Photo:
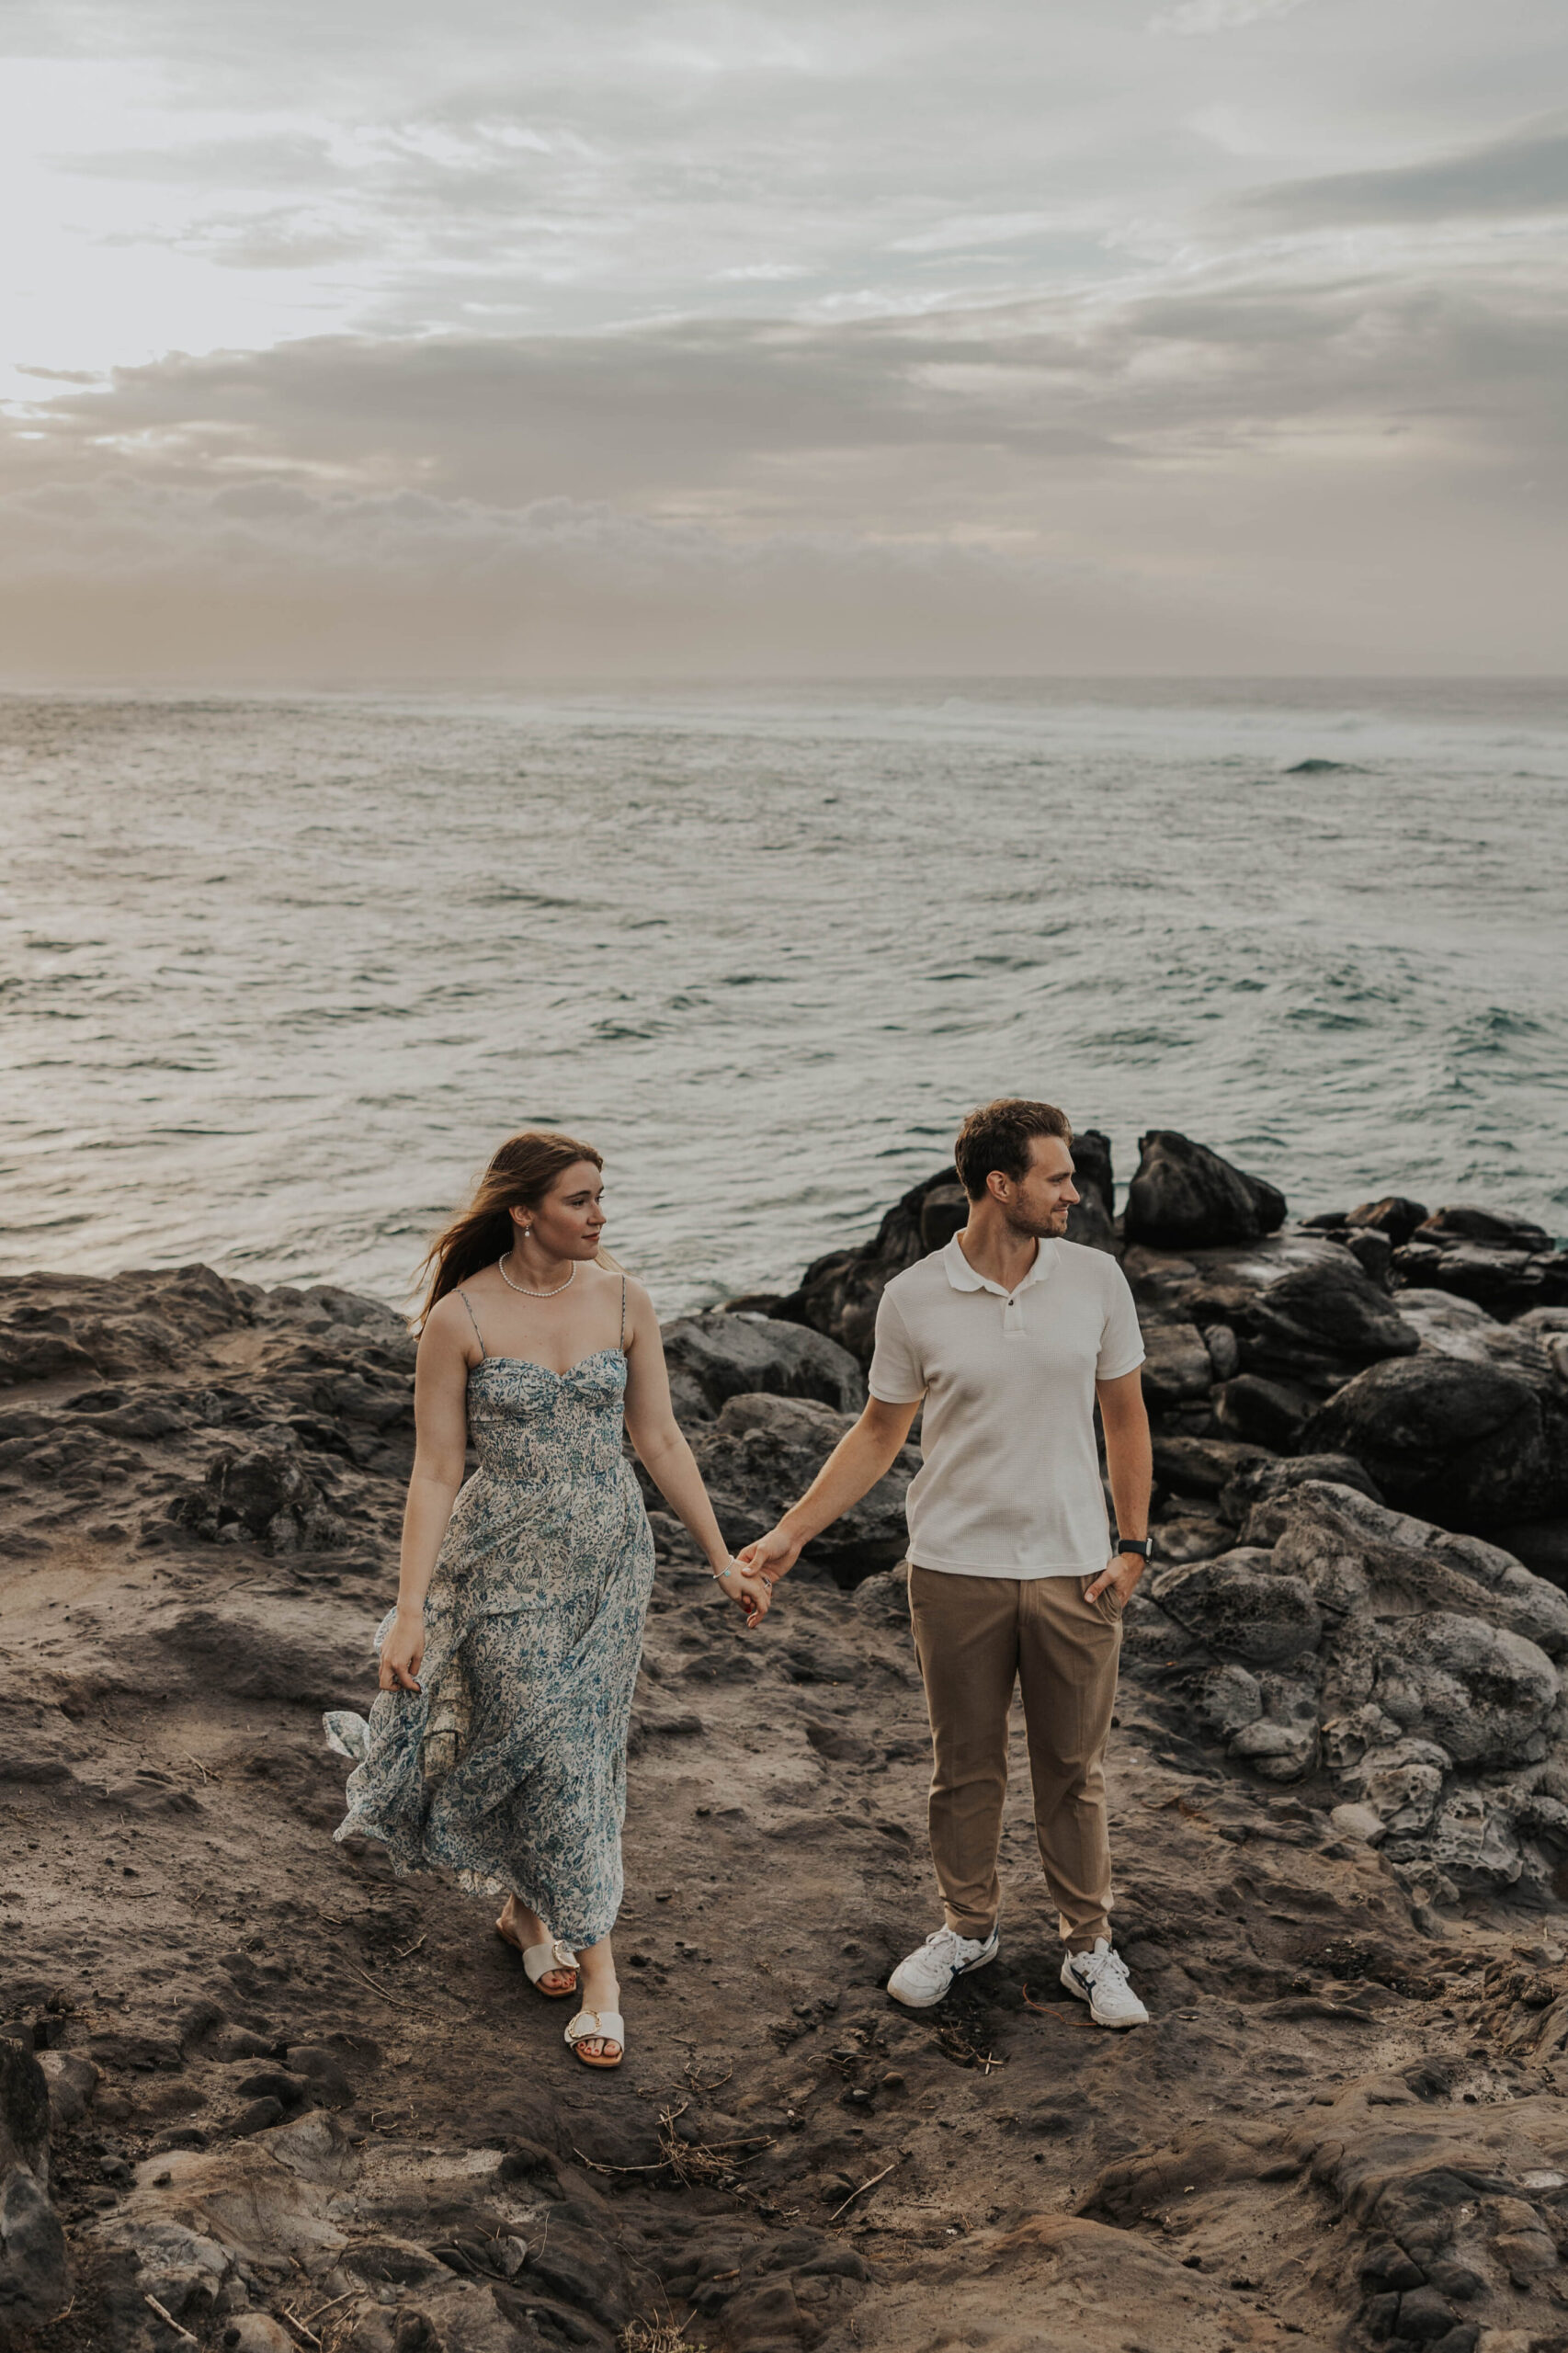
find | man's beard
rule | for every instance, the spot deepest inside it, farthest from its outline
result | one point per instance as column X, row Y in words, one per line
column 1028, row 1229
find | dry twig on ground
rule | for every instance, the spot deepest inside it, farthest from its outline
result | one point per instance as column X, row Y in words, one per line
column 654, row 2337
column 865, row 2186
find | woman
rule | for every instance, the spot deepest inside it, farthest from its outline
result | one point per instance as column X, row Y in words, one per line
column 497, row 1748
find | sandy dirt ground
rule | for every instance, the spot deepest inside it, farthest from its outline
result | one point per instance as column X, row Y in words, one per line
column 298, row 2101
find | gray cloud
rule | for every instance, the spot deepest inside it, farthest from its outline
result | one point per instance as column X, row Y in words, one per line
column 588, row 166
column 1523, row 173
column 1217, row 16
column 844, row 337
column 1245, row 476
column 813, row 412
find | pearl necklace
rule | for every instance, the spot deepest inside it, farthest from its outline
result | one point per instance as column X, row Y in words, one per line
column 501, row 1270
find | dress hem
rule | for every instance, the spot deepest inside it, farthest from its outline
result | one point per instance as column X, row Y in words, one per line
column 473, row 1882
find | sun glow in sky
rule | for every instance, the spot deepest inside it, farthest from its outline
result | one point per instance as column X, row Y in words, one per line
column 1223, row 335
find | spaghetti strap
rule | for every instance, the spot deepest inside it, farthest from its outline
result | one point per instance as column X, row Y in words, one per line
column 474, row 1321
column 622, row 1315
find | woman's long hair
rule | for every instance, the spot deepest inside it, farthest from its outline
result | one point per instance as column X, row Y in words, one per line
column 518, row 1176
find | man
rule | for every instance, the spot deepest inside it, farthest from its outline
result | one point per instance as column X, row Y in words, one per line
column 1008, row 1335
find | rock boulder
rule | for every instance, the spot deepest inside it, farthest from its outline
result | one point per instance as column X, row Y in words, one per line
column 838, row 1293
column 1202, row 1466
column 1464, row 1221
column 1315, row 1325
column 1506, row 1282
column 720, row 1355
column 1267, row 1413
column 1355, row 1554
column 1267, row 1482
column 1466, row 1443
column 1483, row 1695
column 1092, row 1222
column 1394, row 1215
column 35, row 2279
column 761, row 1455
column 142, row 1321
column 1401, row 1783
column 1177, row 1368
column 1185, row 1197
column 264, row 1493
column 1238, row 1606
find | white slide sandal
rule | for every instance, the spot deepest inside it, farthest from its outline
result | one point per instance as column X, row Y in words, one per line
column 541, row 1960
column 605, row 2026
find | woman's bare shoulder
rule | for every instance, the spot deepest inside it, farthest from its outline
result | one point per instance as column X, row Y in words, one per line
column 449, row 1323
column 640, row 1313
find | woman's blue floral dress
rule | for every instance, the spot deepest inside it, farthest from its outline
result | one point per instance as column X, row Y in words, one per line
column 508, row 1767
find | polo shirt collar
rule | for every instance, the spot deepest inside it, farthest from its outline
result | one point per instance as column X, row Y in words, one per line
column 962, row 1276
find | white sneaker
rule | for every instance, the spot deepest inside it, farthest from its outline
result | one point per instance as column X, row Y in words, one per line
column 925, row 1977
column 1100, row 1978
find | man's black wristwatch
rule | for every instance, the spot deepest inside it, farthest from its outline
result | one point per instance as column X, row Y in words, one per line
column 1142, row 1545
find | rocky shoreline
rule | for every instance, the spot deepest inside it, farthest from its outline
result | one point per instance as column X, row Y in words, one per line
column 254, row 2093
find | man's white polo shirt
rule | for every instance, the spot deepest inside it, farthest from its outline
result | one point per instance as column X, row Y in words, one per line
column 1011, row 1486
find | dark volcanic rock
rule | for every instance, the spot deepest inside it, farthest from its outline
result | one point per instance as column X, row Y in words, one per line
column 1239, row 1606
column 1541, row 1544
column 1177, row 1368
column 1506, row 1265
column 760, row 1457
column 1464, row 1223
column 1506, row 1282
column 721, row 1354
column 1358, row 1555
column 1092, row 1222
column 1185, row 1197
column 1394, row 1215
column 1264, row 1412
column 1466, row 1443
column 1202, row 1466
column 1373, row 1253
column 1342, row 1751
column 1317, row 1324
column 141, row 1321
column 1269, row 1481
column 266, row 1493
column 839, row 1292
column 1483, row 1695
column 34, row 2269
column 943, row 1212
column 32, row 1348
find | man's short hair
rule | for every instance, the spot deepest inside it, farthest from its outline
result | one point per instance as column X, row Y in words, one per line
column 1000, row 1134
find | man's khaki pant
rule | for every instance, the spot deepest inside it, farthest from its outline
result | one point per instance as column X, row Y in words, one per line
column 975, row 1637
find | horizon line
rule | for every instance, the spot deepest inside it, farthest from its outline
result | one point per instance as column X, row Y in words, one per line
column 926, row 680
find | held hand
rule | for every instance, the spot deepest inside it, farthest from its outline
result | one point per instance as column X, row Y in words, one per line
column 402, row 1651
column 771, row 1555
column 749, row 1593
column 1123, row 1573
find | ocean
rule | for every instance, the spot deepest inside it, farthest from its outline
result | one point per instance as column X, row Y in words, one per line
column 278, row 972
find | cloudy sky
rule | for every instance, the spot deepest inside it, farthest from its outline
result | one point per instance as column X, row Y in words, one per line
column 357, row 339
